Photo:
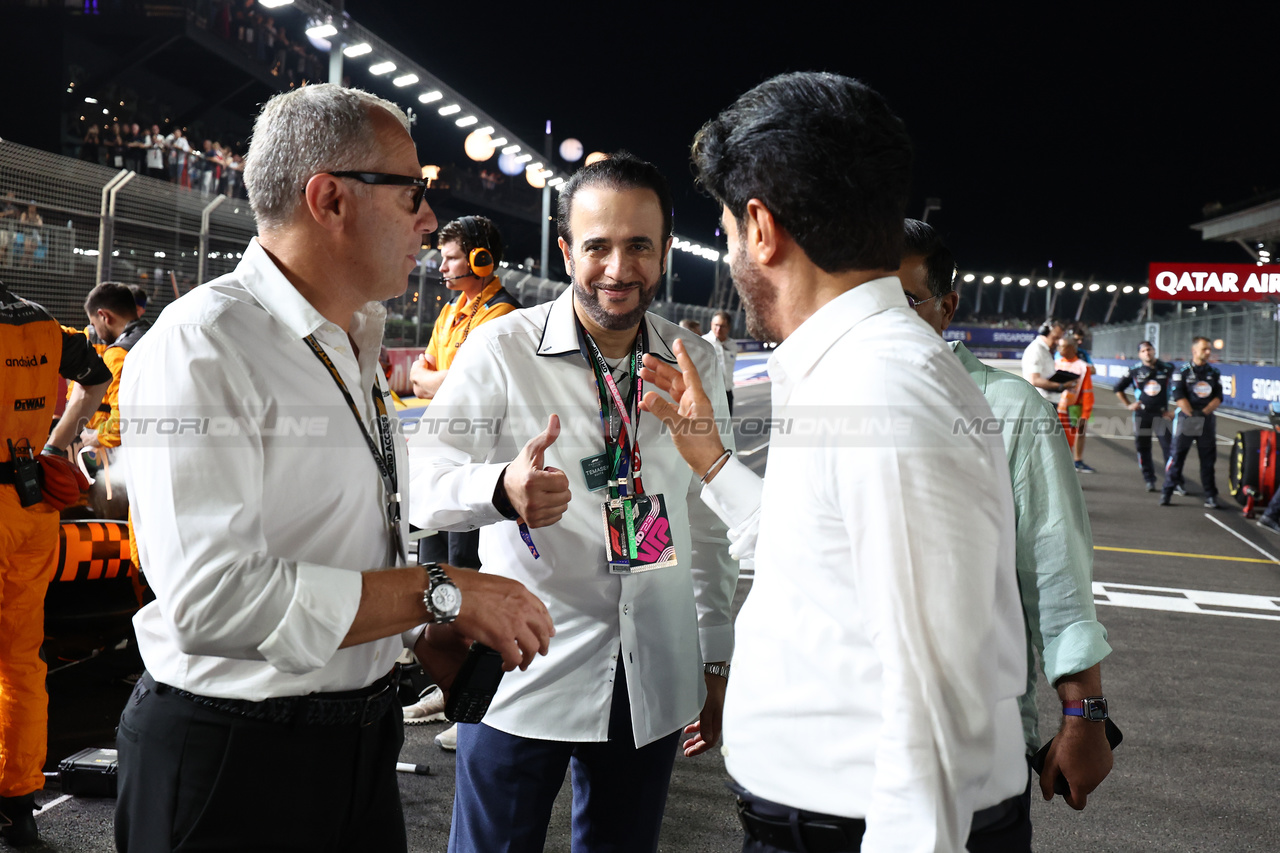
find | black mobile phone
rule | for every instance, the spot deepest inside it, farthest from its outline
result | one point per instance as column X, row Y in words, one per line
column 1060, row 786
column 476, row 683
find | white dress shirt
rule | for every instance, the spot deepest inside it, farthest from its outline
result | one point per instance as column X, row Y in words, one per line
column 1038, row 358
column 881, row 650
column 255, row 498
column 727, row 352
column 514, row 373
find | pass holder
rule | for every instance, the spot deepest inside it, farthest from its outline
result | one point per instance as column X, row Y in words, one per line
column 637, row 534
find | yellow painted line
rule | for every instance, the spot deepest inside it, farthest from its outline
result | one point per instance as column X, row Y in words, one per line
column 1179, row 554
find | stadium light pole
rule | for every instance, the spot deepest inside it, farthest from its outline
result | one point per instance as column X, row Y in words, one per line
column 546, row 211
column 336, row 44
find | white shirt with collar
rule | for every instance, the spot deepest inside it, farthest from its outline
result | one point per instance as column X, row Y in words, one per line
column 882, row 649
column 513, row 374
column 727, row 351
column 1038, row 358
column 255, row 498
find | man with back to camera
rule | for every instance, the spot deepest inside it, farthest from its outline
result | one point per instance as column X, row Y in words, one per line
column 1150, row 381
column 871, row 700
column 1037, row 360
column 113, row 314
column 1054, row 556
column 1196, row 390
column 281, row 604
column 643, row 644
column 34, row 484
column 726, row 349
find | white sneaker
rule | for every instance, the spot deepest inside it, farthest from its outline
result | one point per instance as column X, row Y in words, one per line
column 428, row 709
column 448, row 739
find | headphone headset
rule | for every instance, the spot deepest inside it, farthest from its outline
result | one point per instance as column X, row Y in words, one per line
column 480, row 258
column 1047, row 327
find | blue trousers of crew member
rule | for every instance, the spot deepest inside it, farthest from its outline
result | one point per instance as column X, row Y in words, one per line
column 506, row 786
column 1145, row 425
column 1200, row 430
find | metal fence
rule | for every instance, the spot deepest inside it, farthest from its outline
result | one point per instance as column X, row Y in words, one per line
column 1241, row 334
column 98, row 224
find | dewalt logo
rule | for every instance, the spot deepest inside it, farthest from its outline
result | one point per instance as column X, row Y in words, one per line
column 31, row 404
column 26, row 361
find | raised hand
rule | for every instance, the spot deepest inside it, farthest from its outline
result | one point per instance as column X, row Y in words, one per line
column 692, row 419
column 538, row 494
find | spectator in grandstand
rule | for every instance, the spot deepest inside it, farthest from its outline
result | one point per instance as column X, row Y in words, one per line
column 881, row 758
column 726, row 349
column 1150, row 382
column 642, row 652
column 30, row 498
column 9, row 216
column 1054, row 554
column 114, row 143
column 90, row 145
column 272, row 639
column 1037, row 360
column 1075, row 405
column 31, row 227
column 131, row 138
column 153, row 144
column 178, row 147
column 1196, row 390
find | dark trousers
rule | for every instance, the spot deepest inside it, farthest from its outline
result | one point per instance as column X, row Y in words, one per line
column 506, row 786
column 770, row 827
column 1198, row 430
column 730, row 393
column 1145, row 425
column 193, row 778
column 1004, row 828
column 455, row 549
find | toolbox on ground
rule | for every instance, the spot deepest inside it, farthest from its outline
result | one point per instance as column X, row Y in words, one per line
column 89, row 773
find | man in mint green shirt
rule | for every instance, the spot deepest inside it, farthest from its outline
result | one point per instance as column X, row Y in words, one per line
column 1054, row 541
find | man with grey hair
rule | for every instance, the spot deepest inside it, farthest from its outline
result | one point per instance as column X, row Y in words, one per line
column 282, row 596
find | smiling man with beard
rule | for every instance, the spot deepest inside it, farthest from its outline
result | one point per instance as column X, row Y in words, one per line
column 561, row 471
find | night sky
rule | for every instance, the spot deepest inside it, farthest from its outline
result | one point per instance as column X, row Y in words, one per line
column 1090, row 139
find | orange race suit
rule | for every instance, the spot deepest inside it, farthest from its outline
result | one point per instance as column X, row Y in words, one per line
column 34, row 350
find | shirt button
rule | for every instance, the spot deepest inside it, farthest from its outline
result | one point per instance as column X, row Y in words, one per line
column 626, row 609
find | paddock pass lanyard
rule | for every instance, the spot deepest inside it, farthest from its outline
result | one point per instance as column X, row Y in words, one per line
column 384, row 459
column 625, row 481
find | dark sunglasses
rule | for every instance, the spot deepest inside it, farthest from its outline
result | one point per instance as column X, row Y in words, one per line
column 377, row 178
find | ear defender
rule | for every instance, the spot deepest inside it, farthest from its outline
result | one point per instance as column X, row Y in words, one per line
column 480, row 259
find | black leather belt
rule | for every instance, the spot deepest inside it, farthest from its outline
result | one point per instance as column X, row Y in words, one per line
column 795, row 830
column 355, row 707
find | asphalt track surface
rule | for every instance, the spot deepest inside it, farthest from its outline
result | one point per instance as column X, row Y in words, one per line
column 1191, row 601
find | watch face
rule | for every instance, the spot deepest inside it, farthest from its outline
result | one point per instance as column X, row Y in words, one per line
column 446, row 598
column 1095, row 709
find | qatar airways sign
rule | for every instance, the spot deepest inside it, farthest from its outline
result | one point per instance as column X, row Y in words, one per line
column 1213, row 282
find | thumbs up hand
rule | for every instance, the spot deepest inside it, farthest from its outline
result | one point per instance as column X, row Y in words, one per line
column 538, row 494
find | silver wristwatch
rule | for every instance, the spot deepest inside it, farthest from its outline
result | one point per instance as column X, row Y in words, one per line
column 442, row 598
column 720, row 669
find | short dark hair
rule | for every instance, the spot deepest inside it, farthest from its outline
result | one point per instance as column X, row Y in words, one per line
column 1198, row 338
column 139, row 295
column 1142, row 344
column 940, row 267
column 725, row 315
column 484, row 229
column 619, row 171
column 825, row 155
column 114, row 297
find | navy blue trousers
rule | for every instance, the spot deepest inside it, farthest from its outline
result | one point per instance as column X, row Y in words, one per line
column 1202, row 432
column 1146, row 424
column 506, row 786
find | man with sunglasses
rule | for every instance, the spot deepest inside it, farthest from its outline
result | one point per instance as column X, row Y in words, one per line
column 282, row 600
column 1053, row 554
